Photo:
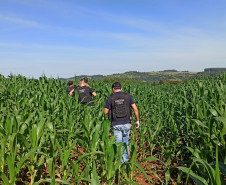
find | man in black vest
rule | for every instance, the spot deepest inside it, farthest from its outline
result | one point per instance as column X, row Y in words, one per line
column 118, row 107
column 71, row 89
column 85, row 94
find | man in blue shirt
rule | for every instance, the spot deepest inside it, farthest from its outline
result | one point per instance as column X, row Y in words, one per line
column 118, row 106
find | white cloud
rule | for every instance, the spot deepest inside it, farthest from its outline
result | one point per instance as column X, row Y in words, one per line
column 184, row 48
column 21, row 21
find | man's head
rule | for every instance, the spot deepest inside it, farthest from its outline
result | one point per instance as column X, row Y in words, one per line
column 116, row 87
column 70, row 83
column 85, row 80
column 81, row 83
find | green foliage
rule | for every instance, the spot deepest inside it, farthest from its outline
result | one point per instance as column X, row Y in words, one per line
column 47, row 135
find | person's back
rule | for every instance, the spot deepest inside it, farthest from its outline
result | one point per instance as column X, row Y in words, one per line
column 85, row 94
column 120, row 108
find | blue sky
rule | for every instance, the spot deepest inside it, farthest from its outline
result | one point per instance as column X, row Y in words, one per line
column 74, row 37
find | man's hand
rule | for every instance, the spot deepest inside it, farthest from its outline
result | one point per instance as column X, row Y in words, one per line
column 71, row 92
column 137, row 124
column 136, row 112
column 106, row 111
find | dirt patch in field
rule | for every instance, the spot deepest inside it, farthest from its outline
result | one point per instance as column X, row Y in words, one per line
column 155, row 172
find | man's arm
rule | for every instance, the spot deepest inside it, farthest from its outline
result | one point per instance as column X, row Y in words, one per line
column 136, row 112
column 92, row 92
column 71, row 92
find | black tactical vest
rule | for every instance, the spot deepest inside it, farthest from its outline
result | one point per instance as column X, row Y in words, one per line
column 121, row 108
column 84, row 95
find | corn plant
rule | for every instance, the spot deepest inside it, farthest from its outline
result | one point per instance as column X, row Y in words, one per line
column 46, row 135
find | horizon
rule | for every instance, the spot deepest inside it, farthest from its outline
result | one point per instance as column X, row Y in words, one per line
column 91, row 75
column 61, row 38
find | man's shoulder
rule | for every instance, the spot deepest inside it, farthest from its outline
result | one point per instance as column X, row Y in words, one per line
column 110, row 96
column 127, row 96
column 85, row 87
column 88, row 89
column 68, row 89
column 82, row 87
column 121, row 93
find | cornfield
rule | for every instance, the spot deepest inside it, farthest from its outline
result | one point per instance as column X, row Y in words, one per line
column 47, row 137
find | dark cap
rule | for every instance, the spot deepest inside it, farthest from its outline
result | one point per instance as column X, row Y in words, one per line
column 70, row 83
column 85, row 80
column 116, row 85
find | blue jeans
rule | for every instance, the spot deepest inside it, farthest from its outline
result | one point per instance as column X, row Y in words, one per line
column 122, row 135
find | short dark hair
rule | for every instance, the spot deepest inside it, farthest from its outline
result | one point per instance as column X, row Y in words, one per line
column 85, row 80
column 70, row 83
column 116, row 85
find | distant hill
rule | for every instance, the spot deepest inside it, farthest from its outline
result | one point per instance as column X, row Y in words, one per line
column 172, row 76
column 151, row 77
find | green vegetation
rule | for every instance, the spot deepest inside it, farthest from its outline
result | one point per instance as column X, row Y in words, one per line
column 152, row 77
column 47, row 137
column 215, row 70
